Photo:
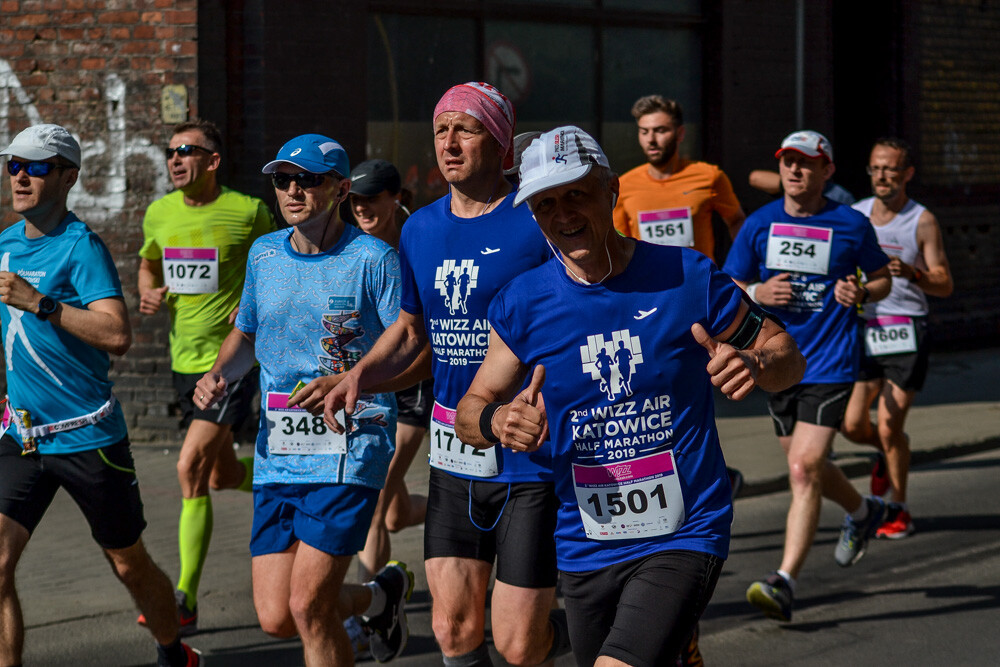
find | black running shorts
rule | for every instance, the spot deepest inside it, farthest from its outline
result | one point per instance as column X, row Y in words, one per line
column 460, row 523
column 414, row 405
column 907, row 371
column 234, row 409
column 642, row 611
column 820, row 404
column 102, row 482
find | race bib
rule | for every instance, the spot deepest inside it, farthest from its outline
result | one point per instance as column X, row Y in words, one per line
column 633, row 499
column 191, row 270
column 669, row 226
column 295, row 431
column 801, row 248
column 890, row 335
column 451, row 454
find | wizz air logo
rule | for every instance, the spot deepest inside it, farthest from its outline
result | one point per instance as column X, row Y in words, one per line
column 455, row 281
column 613, row 362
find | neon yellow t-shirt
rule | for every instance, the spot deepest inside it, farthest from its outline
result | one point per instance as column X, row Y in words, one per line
column 199, row 322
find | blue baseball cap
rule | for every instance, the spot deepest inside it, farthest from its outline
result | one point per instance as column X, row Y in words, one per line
column 313, row 153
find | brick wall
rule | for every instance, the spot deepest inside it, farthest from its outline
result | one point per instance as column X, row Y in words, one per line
column 98, row 67
column 959, row 157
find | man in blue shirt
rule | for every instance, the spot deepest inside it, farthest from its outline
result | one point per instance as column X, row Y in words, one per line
column 799, row 256
column 63, row 313
column 316, row 297
column 644, row 498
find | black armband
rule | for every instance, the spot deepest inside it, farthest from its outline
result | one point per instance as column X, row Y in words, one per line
column 486, row 421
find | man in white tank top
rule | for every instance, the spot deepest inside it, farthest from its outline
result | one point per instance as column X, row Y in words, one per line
column 895, row 351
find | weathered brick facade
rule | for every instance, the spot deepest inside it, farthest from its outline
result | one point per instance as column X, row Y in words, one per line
column 98, row 67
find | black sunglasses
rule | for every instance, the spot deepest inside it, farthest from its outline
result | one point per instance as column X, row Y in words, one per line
column 185, row 150
column 304, row 179
column 36, row 169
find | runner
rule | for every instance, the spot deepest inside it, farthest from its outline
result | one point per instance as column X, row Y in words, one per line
column 63, row 313
column 314, row 491
column 194, row 256
column 670, row 200
column 644, row 518
column 806, row 250
column 483, row 505
column 895, row 349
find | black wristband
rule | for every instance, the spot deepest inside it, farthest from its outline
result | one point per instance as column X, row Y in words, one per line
column 486, row 421
column 864, row 297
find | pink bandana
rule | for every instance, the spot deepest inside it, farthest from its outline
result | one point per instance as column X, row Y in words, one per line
column 487, row 105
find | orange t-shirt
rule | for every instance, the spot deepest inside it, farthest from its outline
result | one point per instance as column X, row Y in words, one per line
column 676, row 210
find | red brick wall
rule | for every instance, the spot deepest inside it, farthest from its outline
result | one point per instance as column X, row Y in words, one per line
column 959, row 157
column 98, row 67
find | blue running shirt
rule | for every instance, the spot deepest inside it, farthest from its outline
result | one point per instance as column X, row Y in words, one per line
column 821, row 249
column 452, row 267
column 316, row 315
column 51, row 373
column 636, row 458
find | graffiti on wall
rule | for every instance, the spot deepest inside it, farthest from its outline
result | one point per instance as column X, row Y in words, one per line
column 116, row 147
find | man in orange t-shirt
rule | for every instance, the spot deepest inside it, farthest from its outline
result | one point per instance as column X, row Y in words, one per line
column 669, row 201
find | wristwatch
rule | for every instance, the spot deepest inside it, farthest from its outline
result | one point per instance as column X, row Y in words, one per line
column 46, row 307
column 917, row 275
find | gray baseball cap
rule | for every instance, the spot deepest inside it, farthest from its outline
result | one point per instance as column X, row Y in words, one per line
column 40, row 142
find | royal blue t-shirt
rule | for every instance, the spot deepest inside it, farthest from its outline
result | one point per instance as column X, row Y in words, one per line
column 820, row 249
column 629, row 402
column 316, row 315
column 452, row 267
column 51, row 373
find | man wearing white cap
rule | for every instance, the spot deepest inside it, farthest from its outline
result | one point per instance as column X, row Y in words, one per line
column 644, row 501
column 63, row 314
column 482, row 505
column 800, row 256
column 315, row 300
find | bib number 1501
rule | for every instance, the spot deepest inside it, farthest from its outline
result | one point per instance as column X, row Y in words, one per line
column 635, row 501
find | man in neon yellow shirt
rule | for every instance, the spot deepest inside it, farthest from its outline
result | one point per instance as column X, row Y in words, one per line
column 194, row 257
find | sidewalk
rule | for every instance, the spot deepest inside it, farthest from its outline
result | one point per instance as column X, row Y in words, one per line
column 73, row 604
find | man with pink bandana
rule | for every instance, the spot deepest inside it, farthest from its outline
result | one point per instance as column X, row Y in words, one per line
column 482, row 505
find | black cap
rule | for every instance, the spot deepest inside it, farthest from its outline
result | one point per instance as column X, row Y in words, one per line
column 373, row 176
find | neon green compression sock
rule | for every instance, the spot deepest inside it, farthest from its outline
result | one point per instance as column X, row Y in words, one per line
column 247, row 483
column 194, row 533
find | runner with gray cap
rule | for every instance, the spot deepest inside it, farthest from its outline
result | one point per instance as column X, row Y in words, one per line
column 644, row 505
column 62, row 314
column 379, row 205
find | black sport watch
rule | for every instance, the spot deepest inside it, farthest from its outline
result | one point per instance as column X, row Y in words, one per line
column 46, row 307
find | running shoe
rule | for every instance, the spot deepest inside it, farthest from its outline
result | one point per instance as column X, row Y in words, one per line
column 188, row 617
column 735, row 481
column 854, row 535
column 194, row 657
column 880, row 476
column 773, row 596
column 896, row 528
column 389, row 631
column 358, row 636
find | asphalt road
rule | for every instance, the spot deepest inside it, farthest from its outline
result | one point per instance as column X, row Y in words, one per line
column 932, row 599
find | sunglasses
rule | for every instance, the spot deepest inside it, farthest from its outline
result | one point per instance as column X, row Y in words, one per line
column 185, row 150
column 37, row 169
column 303, row 179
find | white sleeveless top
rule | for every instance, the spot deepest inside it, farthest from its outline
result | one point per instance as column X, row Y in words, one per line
column 898, row 238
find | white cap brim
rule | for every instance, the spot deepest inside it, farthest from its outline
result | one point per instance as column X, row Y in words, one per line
column 554, row 180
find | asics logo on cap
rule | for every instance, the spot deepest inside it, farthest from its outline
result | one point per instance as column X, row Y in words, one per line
column 296, row 152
